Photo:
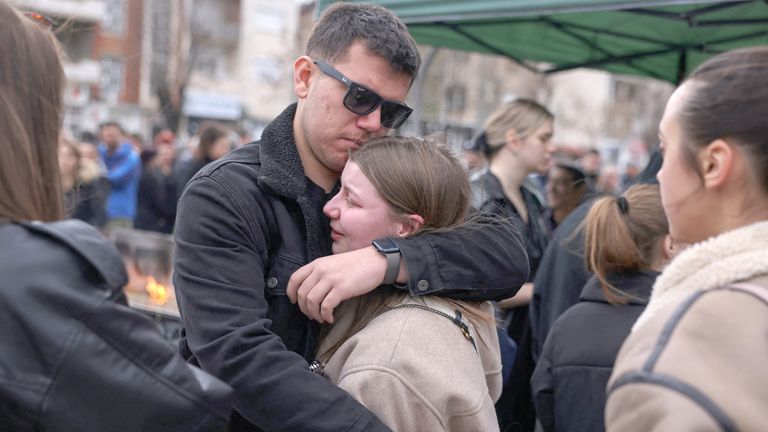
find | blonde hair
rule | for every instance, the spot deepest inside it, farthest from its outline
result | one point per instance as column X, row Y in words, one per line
column 621, row 234
column 523, row 115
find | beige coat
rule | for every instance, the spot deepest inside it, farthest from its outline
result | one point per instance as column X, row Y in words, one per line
column 696, row 359
column 415, row 369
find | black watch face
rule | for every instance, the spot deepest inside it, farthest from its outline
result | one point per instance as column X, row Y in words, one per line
column 386, row 245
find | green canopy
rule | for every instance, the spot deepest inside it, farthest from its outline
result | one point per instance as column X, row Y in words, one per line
column 659, row 39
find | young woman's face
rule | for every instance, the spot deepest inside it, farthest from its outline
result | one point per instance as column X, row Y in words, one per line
column 536, row 151
column 681, row 187
column 358, row 213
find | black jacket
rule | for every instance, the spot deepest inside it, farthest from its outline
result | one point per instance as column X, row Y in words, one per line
column 562, row 277
column 156, row 205
column 74, row 356
column 249, row 220
column 88, row 202
column 569, row 383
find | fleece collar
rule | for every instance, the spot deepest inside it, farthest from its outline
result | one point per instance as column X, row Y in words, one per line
column 736, row 255
column 283, row 173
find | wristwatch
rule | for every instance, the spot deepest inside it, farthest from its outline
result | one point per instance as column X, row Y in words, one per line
column 391, row 251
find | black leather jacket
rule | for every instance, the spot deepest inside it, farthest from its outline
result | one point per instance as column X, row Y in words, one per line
column 245, row 223
column 74, row 356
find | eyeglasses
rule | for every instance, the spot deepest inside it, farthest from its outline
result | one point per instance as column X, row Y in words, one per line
column 362, row 101
column 40, row 19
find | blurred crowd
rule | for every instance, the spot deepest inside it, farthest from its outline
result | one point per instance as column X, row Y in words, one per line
column 114, row 179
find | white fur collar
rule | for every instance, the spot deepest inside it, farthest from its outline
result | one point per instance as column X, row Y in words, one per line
column 733, row 256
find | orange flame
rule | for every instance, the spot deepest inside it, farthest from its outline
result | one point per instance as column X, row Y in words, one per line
column 158, row 293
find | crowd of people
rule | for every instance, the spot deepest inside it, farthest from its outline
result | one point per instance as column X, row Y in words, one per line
column 331, row 276
column 113, row 179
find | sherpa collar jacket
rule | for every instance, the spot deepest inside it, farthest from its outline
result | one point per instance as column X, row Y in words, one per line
column 696, row 357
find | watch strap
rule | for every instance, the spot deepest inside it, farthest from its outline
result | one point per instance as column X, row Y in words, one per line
column 393, row 267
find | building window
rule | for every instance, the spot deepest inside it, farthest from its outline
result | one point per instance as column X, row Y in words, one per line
column 455, row 99
column 111, row 80
column 114, row 17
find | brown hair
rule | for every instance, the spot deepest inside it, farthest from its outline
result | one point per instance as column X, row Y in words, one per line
column 621, row 234
column 210, row 132
column 31, row 85
column 383, row 34
column 522, row 115
column 729, row 99
column 415, row 176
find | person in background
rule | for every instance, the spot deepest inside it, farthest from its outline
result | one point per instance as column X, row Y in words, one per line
column 85, row 188
column 591, row 163
column 74, row 357
column 253, row 269
column 566, row 188
column 474, row 159
column 137, row 141
column 214, row 142
column 517, row 141
column 562, row 273
column 419, row 363
column 627, row 245
column 123, row 171
column 157, row 189
column 608, row 181
column 695, row 359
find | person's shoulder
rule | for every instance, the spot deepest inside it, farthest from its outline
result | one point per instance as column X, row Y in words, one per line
column 57, row 245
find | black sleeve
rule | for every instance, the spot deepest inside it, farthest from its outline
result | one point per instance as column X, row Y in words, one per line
column 484, row 259
column 120, row 374
column 219, row 280
column 93, row 363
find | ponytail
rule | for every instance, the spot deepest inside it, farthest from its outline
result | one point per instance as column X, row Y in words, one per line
column 621, row 235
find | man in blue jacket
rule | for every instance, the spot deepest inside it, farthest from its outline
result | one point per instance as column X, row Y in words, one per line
column 248, row 221
column 123, row 171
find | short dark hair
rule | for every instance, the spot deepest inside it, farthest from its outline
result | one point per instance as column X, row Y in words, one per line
column 723, row 89
column 111, row 124
column 577, row 174
column 382, row 33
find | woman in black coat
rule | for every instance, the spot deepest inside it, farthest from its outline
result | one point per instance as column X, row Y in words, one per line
column 75, row 356
column 627, row 243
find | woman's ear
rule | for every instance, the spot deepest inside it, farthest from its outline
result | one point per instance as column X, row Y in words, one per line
column 302, row 73
column 512, row 139
column 716, row 161
column 409, row 225
column 668, row 248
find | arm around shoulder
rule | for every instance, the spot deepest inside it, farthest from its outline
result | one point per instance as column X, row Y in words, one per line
column 485, row 259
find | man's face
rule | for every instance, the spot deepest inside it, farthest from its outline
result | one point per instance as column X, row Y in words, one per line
column 111, row 135
column 562, row 192
column 329, row 130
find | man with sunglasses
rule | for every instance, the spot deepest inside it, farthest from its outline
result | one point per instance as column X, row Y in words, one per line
column 247, row 222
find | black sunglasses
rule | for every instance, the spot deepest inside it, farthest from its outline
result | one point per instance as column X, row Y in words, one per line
column 362, row 101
